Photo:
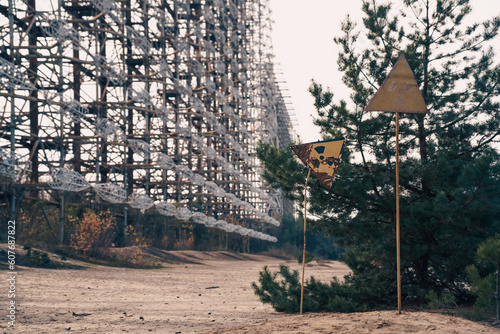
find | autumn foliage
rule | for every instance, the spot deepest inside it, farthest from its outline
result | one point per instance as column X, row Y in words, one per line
column 93, row 231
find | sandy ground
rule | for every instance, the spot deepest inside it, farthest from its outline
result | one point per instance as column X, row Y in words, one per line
column 193, row 292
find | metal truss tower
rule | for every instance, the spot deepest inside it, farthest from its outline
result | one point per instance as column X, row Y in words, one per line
column 142, row 103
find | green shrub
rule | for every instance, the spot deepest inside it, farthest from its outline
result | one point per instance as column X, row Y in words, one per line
column 482, row 288
column 444, row 300
column 482, row 279
column 36, row 258
column 309, row 257
column 282, row 290
column 283, row 295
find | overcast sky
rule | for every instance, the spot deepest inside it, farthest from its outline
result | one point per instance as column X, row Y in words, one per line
column 304, row 49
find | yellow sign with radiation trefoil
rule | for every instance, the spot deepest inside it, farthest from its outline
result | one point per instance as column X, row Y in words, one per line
column 322, row 158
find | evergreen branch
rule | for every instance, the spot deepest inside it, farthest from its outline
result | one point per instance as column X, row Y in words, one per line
column 473, row 110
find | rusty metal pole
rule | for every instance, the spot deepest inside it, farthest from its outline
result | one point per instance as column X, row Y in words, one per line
column 304, row 252
column 398, row 250
column 398, row 93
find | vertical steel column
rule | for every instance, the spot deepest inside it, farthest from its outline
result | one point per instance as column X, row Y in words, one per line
column 147, row 114
column 77, row 165
column 130, row 111
column 12, row 113
column 125, row 51
column 163, row 42
column 177, row 151
column 33, row 75
column 60, row 90
column 101, row 98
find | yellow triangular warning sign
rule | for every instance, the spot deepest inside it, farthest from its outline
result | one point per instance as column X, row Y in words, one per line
column 322, row 158
column 399, row 92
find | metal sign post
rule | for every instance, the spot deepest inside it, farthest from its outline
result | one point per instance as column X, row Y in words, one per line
column 304, row 251
column 398, row 93
column 322, row 159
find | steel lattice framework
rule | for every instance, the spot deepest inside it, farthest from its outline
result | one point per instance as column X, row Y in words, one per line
column 142, row 102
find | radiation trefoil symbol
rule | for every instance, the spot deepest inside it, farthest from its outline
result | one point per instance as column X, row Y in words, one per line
column 322, row 158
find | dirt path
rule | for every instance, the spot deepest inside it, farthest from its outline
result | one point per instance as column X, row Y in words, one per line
column 371, row 322
column 194, row 292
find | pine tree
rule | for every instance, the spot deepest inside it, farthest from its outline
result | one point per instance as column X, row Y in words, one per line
column 489, row 251
column 449, row 169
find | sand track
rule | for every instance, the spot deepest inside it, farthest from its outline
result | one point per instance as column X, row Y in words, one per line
column 193, row 292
